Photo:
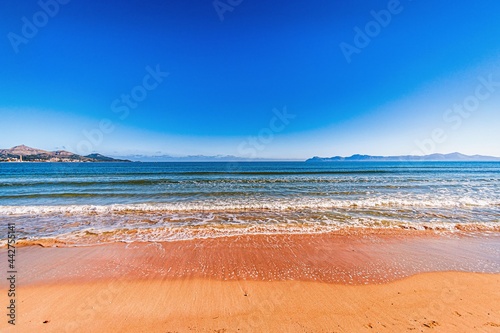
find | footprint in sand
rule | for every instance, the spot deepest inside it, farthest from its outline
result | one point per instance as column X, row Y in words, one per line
column 431, row 324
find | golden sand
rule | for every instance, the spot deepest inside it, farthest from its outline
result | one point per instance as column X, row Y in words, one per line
column 370, row 282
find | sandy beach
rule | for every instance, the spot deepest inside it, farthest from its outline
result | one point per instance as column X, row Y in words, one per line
column 230, row 166
column 378, row 281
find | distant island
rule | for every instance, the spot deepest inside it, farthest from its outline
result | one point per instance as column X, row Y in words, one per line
column 24, row 153
column 433, row 157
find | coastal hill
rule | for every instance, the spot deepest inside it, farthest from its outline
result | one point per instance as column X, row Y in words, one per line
column 433, row 157
column 24, row 153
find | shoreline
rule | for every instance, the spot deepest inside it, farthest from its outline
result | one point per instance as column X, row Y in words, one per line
column 92, row 238
column 344, row 257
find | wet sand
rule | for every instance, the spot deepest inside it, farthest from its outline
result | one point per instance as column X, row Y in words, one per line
column 366, row 281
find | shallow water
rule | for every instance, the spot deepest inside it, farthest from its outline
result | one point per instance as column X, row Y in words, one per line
column 107, row 202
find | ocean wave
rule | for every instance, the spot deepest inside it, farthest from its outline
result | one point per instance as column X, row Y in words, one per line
column 85, row 182
column 94, row 236
column 241, row 205
column 103, row 194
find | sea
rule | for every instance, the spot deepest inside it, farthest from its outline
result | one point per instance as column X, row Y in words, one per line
column 93, row 203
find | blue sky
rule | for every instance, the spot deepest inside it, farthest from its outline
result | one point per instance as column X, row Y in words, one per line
column 234, row 68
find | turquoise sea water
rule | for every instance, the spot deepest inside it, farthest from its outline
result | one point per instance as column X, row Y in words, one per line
column 97, row 202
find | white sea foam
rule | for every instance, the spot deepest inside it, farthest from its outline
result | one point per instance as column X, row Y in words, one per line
column 92, row 236
column 236, row 205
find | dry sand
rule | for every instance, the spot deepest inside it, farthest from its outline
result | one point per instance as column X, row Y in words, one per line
column 367, row 282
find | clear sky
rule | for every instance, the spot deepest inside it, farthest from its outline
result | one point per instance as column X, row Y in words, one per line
column 271, row 79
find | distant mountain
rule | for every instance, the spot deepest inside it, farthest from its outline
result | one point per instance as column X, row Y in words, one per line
column 433, row 157
column 24, row 153
column 101, row 158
